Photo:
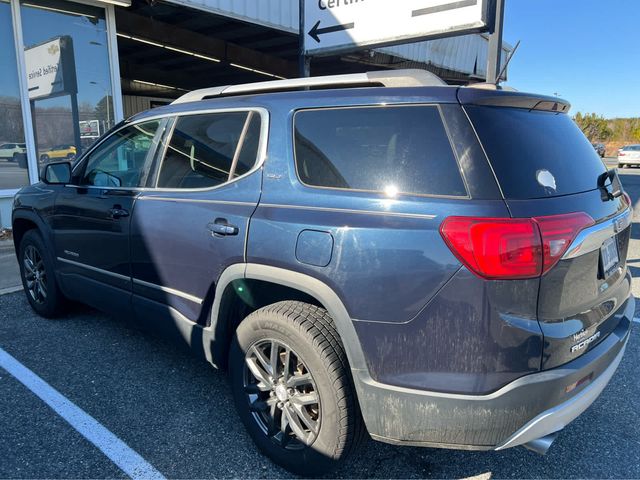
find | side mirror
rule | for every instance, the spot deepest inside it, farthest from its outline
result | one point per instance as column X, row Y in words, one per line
column 57, row 173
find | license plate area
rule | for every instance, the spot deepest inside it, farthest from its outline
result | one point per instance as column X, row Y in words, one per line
column 609, row 257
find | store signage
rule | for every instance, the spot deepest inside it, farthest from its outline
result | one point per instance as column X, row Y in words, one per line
column 51, row 68
column 89, row 128
column 334, row 26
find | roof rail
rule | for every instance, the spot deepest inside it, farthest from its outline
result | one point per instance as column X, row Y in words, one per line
column 386, row 78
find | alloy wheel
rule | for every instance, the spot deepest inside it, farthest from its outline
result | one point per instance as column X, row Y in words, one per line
column 35, row 274
column 282, row 395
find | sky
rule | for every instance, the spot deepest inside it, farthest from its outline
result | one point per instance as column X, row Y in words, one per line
column 586, row 51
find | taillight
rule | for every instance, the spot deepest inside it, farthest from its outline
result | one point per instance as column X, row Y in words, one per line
column 512, row 248
column 627, row 198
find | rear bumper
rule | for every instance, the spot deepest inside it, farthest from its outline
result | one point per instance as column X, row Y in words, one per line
column 526, row 409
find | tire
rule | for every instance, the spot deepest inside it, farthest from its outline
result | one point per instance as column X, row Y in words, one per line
column 14, row 159
column 39, row 284
column 44, row 158
column 316, row 351
column 621, row 165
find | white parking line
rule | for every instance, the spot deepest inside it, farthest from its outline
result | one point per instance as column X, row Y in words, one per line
column 636, row 319
column 115, row 449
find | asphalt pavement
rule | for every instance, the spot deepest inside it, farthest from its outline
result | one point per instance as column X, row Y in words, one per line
column 176, row 411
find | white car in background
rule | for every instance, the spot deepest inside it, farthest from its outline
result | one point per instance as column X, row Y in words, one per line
column 629, row 155
column 10, row 151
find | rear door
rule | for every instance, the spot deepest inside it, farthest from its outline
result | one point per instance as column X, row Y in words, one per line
column 192, row 220
column 547, row 168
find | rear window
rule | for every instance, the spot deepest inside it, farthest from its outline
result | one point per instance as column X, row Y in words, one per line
column 401, row 149
column 522, row 144
column 631, row 148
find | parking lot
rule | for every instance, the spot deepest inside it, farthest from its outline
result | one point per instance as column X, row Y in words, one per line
column 176, row 411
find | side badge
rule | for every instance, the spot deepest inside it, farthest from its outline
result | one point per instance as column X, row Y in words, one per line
column 546, row 179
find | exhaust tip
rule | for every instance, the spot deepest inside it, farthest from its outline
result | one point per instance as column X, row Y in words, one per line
column 541, row 445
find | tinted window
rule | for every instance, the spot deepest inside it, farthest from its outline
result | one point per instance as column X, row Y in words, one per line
column 203, row 147
column 520, row 143
column 386, row 149
column 119, row 161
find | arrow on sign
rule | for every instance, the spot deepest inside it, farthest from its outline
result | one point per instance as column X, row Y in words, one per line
column 315, row 31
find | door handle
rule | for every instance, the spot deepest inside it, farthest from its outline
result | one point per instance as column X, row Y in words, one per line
column 222, row 228
column 116, row 213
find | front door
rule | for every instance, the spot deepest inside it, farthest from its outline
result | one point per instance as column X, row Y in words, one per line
column 92, row 218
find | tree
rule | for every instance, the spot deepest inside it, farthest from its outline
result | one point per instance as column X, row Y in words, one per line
column 594, row 126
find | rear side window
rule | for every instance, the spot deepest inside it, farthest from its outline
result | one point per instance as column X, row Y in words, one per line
column 207, row 150
column 400, row 149
column 522, row 144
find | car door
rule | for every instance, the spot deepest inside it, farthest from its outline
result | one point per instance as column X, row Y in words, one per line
column 193, row 220
column 92, row 217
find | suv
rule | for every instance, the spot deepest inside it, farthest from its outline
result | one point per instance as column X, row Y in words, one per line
column 12, row 151
column 57, row 152
column 435, row 265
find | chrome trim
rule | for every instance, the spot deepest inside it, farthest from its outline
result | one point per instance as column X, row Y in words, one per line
column 347, row 210
column 94, row 269
column 592, row 238
column 556, row 418
column 261, row 157
column 171, row 291
column 198, row 200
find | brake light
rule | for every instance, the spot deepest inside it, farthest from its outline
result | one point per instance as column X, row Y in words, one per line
column 512, row 248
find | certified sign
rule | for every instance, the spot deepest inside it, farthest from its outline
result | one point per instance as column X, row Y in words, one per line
column 50, row 68
column 333, row 26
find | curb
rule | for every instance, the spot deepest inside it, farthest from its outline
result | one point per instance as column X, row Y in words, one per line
column 8, row 290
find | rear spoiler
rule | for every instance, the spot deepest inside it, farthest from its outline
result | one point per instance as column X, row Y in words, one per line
column 506, row 98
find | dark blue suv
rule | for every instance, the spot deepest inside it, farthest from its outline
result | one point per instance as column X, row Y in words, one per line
column 434, row 265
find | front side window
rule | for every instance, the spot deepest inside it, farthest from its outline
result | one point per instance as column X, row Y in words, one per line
column 397, row 149
column 120, row 160
column 207, row 150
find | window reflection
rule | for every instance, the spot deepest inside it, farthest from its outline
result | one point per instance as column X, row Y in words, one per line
column 67, row 65
column 13, row 159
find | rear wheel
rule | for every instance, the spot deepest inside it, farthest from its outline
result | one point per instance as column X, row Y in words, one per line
column 15, row 158
column 292, row 387
column 38, row 277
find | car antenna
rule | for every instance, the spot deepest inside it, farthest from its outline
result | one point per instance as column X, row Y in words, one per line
column 507, row 63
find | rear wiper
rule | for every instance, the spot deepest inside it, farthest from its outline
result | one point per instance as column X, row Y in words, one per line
column 616, row 186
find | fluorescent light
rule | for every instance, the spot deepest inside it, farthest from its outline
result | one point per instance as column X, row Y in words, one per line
column 198, row 55
column 149, row 42
column 261, row 72
column 205, row 57
column 160, row 85
column 167, row 47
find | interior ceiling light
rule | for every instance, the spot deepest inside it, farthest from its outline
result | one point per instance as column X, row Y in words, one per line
column 197, row 55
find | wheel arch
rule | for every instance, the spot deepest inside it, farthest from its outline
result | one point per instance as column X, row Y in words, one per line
column 283, row 284
column 24, row 220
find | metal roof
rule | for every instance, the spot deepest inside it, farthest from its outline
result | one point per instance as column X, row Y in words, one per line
column 466, row 54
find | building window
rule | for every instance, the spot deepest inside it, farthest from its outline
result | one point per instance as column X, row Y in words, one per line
column 68, row 76
column 13, row 158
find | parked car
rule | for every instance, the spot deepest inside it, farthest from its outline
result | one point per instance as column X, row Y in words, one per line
column 629, row 155
column 600, row 148
column 357, row 259
column 58, row 152
column 12, row 151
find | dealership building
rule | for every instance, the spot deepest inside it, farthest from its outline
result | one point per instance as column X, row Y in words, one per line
column 72, row 69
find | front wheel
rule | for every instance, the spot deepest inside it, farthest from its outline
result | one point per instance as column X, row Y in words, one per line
column 292, row 387
column 38, row 277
